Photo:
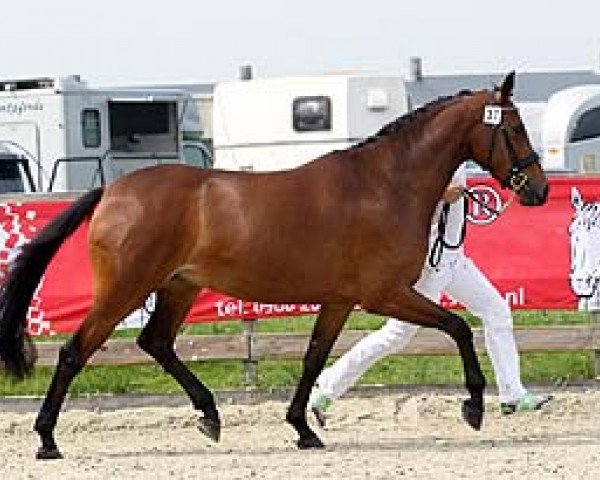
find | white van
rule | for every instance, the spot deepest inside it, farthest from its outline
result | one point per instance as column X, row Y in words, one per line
column 77, row 137
column 278, row 123
column 571, row 130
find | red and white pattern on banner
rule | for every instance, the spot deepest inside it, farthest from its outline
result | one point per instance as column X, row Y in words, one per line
column 16, row 229
column 525, row 253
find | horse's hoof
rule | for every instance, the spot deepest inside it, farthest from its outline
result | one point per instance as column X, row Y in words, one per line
column 48, row 454
column 309, row 442
column 472, row 414
column 210, row 428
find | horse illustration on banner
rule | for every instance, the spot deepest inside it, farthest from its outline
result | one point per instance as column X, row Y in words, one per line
column 584, row 235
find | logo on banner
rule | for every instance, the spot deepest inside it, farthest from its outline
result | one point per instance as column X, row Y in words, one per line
column 584, row 236
column 487, row 197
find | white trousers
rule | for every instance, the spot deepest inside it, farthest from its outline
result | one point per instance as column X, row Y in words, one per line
column 464, row 282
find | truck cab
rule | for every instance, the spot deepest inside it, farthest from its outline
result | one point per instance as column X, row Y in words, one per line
column 77, row 137
column 15, row 174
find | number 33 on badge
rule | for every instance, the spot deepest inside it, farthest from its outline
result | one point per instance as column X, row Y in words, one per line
column 492, row 115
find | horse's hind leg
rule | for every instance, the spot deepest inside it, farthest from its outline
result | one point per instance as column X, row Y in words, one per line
column 115, row 296
column 327, row 328
column 157, row 338
column 92, row 333
column 406, row 304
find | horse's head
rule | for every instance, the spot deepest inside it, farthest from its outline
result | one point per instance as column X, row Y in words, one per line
column 500, row 144
column 584, row 234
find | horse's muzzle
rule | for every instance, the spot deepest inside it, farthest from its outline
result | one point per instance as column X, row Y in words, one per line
column 530, row 196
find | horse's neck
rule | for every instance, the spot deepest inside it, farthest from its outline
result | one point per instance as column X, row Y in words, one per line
column 450, row 140
column 445, row 136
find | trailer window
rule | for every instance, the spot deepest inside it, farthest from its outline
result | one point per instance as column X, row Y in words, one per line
column 130, row 118
column 587, row 126
column 311, row 114
column 144, row 127
column 90, row 128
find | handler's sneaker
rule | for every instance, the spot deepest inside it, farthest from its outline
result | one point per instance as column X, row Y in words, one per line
column 527, row 403
column 319, row 403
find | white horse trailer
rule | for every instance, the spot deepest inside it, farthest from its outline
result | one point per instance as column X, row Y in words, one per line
column 76, row 137
column 571, row 130
column 279, row 123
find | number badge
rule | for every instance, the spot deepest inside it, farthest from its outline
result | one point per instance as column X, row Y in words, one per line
column 492, row 115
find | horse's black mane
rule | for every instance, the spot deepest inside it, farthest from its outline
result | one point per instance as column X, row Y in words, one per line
column 408, row 118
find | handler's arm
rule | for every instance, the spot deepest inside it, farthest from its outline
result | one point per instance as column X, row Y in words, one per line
column 452, row 193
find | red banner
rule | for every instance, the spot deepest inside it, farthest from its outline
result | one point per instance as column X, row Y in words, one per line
column 525, row 251
column 539, row 258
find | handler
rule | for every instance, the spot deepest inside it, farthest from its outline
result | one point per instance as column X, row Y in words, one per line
column 456, row 274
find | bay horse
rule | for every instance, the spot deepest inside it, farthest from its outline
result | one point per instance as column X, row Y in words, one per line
column 350, row 227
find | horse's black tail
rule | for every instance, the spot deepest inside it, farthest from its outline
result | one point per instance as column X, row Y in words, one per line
column 17, row 352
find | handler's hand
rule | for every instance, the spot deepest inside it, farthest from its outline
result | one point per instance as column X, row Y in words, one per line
column 452, row 193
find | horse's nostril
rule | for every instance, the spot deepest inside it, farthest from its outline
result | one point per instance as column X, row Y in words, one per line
column 539, row 196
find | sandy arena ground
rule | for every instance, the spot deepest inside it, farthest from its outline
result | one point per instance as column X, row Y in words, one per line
column 400, row 435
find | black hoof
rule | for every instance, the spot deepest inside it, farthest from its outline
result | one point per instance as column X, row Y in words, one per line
column 472, row 414
column 210, row 428
column 48, row 454
column 310, row 442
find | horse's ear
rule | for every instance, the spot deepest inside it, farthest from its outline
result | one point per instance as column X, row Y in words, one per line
column 505, row 91
column 576, row 199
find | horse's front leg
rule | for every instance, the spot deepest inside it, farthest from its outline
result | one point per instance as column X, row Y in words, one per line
column 327, row 328
column 406, row 304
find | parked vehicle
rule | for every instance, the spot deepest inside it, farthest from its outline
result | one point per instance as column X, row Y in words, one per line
column 279, row 123
column 77, row 137
column 571, row 130
column 15, row 174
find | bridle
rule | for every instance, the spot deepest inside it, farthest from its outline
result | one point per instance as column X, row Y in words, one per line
column 516, row 179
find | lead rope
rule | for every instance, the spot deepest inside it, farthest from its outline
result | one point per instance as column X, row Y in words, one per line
column 440, row 243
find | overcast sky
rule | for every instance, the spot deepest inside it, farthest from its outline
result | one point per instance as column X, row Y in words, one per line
column 132, row 41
